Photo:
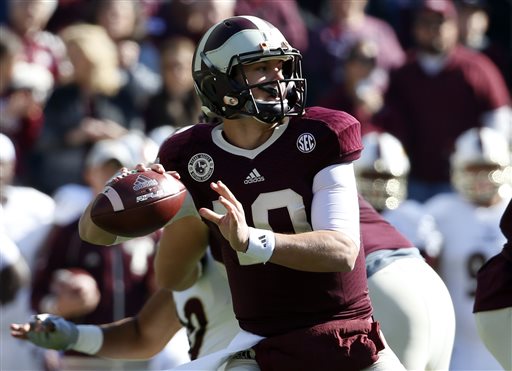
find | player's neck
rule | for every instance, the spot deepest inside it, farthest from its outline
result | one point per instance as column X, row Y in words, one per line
column 247, row 133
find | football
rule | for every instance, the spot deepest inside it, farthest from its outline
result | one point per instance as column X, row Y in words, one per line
column 138, row 203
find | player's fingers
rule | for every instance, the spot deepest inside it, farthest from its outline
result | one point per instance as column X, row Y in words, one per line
column 20, row 330
column 224, row 191
column 159, row 168
column 231, row 209
column 210, row 215
column 174, row 174
column 141, row 167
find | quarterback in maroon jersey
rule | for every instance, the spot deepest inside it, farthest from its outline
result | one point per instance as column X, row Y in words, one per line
column 275, row 190
column 493, row 300
column 275, row 185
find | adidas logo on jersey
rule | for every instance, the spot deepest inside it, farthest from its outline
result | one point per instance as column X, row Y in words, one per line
column 254, row 177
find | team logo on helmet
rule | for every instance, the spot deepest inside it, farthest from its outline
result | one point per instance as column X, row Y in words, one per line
column 200, row 167
column 306, row 143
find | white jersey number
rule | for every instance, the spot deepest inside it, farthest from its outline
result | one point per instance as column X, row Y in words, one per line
column 284, row 199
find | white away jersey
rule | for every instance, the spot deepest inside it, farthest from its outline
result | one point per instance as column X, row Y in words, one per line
column 471, row 236
column 206, row 310
column 411, row 219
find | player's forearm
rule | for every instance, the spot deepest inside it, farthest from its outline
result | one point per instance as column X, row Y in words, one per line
column 126, row 339
column 145, row 335
column 318, row 251
column 182, row 245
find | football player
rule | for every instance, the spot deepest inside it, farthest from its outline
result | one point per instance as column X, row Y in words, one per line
column 469, row 223
column 290, row 243
column 493, row 299
column 409, row 298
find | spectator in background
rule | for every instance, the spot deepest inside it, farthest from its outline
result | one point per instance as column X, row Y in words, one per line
column 285, row 15
column 176, row 104
column 23, row 89
column 442, row 90
column 94, row 106
column 125, row 24
column 192, row 18
column 469, row 222
column 91, row 284
column 473, row 26
column 28, row 20
column 362, row 87
column 329, row 43
column 25, row 218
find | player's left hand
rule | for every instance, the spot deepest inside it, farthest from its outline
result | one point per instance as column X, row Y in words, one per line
column 47, row 331
column 232, row 225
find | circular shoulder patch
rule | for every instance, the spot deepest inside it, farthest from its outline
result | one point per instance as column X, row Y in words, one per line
column 200, row 167
column 306, row 142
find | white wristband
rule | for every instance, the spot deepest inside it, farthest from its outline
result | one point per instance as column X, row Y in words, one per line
column 261, row 244
column 90, row 339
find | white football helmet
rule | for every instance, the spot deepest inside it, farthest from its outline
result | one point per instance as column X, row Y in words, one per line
column 481, row 165
column 243, row 40
column 382, row 171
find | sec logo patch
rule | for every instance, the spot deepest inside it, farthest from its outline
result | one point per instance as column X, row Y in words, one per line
column 306, row 143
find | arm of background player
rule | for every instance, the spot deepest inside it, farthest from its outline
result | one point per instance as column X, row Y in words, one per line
column 145, row 335
column 181, row 247
column 139, row 337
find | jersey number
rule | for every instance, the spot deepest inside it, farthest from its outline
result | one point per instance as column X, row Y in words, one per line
column 284, row 199
column 196, row 325
column 473, row 265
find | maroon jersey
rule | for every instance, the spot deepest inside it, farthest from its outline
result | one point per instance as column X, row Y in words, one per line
column 494, row 279
column 274, row 185
column 376, row 232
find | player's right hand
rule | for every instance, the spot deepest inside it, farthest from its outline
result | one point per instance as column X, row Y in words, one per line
column 47, row 331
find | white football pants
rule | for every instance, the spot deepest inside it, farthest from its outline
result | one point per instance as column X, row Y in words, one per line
column 416, row 313
column 495, row 330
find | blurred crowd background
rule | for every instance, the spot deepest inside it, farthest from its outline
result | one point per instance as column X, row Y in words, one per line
column 87, row 86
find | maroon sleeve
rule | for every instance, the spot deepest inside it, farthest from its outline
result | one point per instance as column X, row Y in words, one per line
column 506, row 223
column 376, row 232
column 346, row 128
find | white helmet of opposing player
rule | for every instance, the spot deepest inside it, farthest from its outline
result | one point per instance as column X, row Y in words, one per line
column 382, row 171
column 481, row 165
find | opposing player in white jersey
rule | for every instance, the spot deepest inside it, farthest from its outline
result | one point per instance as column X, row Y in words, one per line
column 27, row 217
column 408, row 296
column 469, row 222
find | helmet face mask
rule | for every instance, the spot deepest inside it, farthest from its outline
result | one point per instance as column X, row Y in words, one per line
column 221, row 82
column 480, row 183
column 382, row 171
column 383, row 191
